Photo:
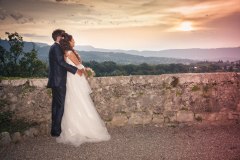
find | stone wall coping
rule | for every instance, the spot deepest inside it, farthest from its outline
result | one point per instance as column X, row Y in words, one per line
column 140, row 79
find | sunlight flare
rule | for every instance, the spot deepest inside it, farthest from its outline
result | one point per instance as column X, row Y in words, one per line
column 186, row 26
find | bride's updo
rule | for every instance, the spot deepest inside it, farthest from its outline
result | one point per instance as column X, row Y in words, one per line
column 65, row 42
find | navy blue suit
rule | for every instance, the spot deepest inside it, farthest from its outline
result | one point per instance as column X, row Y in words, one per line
column 57, row 78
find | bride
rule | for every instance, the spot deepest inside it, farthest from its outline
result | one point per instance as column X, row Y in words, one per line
column 81, row 122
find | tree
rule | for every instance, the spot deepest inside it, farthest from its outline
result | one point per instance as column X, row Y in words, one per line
column 31, row 65
column 9, row 59
column 15, row 62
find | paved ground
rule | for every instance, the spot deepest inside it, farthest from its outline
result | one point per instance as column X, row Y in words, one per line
column 139, row 142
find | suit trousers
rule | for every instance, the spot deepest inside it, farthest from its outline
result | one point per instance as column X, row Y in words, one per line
column 58, row 99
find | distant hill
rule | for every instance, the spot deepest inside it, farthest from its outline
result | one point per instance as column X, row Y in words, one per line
column 121, row 58
column 184, row 56
column 214, row 54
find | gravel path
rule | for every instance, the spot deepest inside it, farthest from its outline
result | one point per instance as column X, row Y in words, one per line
column 139, row 142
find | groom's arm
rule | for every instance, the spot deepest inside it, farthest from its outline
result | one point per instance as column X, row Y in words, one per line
column 60, row 60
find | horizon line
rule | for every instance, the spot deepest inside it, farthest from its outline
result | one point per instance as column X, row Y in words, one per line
column 144, row 50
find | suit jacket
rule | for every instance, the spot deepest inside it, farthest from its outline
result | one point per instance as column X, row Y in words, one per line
column 58, row 68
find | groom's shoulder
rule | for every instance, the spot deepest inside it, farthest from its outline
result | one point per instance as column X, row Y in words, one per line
column 54, row 45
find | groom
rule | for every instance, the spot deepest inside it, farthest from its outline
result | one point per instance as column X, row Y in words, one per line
column 57, row 80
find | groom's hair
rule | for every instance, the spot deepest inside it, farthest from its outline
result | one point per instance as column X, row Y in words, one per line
column 56, row 33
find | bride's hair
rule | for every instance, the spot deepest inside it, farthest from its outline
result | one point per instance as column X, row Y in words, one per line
column 65, row 44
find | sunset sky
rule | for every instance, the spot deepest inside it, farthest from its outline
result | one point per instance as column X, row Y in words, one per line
column 127, row 24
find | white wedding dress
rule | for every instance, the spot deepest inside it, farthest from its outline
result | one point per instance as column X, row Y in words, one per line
column 80, row 122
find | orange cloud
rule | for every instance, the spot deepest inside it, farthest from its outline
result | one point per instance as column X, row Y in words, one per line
column 146, row 22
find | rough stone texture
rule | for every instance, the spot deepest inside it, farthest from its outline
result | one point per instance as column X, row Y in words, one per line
column 44, row 129
column 185, row 116
column 158, row 118
column 34, row 131
column 233, row 115
column 5, row 138
column 238, row 108
column 27, row 133
column 126, row 100
column 140, row 118
column 212, row 117
column 119, row 120
column 16, row 137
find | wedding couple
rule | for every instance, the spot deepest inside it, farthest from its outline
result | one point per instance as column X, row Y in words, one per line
column 74, row 117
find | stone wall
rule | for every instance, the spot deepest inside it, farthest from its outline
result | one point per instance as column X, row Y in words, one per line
column 123, row 100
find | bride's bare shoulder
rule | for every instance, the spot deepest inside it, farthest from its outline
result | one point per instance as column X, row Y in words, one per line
column 68, row 53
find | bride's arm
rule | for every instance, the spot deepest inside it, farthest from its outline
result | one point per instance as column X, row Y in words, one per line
column 75, row 60
column 72, row 57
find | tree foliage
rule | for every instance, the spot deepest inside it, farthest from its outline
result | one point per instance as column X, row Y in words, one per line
column 17, row 63
column 14, row 62
column 109, row 68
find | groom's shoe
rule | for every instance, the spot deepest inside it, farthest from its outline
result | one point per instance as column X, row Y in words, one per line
column 55, row 134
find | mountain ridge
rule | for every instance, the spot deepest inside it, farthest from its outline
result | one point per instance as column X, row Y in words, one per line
column 184, row 56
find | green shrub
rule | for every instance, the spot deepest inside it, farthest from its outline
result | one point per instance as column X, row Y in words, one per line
column 11, row 126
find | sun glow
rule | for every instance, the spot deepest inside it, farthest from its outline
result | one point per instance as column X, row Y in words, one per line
column 186, row 26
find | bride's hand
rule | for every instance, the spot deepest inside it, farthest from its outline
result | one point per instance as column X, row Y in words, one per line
column 85, row 73
column 80, row 72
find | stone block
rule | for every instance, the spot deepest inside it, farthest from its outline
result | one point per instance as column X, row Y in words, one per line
column 119, row 120
column 27, row 133
column 38, row 82
column 233, row 116
column 185, row 116
column 13, row 99
column 140, row 118
column 238, row 107
column 211, row 117
column 158, row 118
column 16, row 137
column 5, row 138
column 44, row 129
column 222, row 116
column 34, row 131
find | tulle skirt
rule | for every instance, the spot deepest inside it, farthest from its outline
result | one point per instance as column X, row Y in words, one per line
column 81, row 122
